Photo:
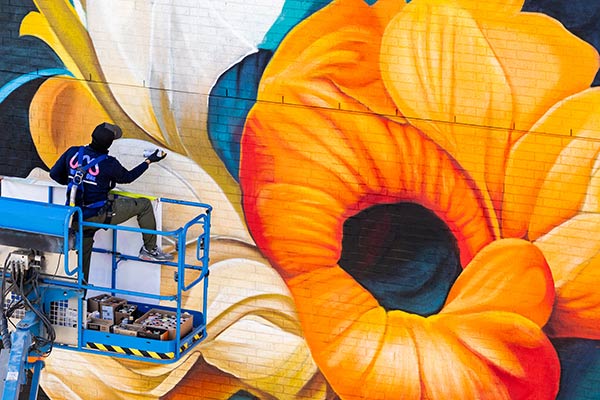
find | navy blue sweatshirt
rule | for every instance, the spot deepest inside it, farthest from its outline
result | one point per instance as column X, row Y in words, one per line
column 98, row 179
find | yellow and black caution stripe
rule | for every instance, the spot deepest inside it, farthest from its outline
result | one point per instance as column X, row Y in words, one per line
column 188, row 344
column 142, row 353
column 131, row 352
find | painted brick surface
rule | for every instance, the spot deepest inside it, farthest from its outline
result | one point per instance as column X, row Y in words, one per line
column 405, row 193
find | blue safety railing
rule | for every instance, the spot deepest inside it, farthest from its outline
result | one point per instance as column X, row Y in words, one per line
column 54, row 221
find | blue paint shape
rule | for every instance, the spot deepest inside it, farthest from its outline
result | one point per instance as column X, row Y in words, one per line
column 580, row 368
column 21, row 80
column 230, row 100
column 243, row 395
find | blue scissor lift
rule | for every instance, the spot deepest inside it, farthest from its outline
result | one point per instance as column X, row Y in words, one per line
column 30, row 230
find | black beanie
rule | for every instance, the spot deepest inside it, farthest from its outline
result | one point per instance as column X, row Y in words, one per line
column 103, row 136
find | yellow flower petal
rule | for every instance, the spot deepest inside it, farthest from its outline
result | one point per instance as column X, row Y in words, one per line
column 63, row 113
column 490, row 8
column 543, row 63
column 446, row 79
column 62, row 29
column 434, row 59
column 549, row 170
column 446, row 72
column 113, row 378
column 572, row 254
column 35, row 24
column 59, row 25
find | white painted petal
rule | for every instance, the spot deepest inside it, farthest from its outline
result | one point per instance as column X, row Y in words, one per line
column 241, row 287
column 252, row 317
column 178, row 177
column 278, row 359
column 177, row 48
column 113, row 378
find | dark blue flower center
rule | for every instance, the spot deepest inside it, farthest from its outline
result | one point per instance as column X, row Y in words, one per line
column 403, row 254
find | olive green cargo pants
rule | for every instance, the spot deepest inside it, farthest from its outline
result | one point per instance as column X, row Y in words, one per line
column 116, row 212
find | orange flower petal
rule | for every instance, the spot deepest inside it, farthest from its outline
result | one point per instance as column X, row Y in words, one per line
column 297, row 218
column 508, row 275
column 328, row 51
column 386, row 9
column 483, row 352
column 397, row 344
column 341, row 72
column 459, row 374
column 336, row 315
column 515, row 352
column 444, row 76
column 63, row 113
column 344, row 179
column 388, row 362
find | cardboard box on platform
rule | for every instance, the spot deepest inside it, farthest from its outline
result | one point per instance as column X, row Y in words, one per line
column 127, row 330
column 96, row 324
column 125, row 311
column 109, row 306
column 93, row 303
column 153, row 333
column 162, row 319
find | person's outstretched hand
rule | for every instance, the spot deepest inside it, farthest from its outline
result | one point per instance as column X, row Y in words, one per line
column 156, row 156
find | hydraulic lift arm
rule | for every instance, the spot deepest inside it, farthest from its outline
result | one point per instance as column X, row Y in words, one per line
column 15, row 361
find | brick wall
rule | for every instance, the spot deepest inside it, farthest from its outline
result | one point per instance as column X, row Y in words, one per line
column 406, row 193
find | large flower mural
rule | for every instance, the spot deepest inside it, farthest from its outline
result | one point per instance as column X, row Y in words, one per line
column 473, row 116
column 422, row 174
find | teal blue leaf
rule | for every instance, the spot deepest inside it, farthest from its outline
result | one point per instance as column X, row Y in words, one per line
column 580, row 368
